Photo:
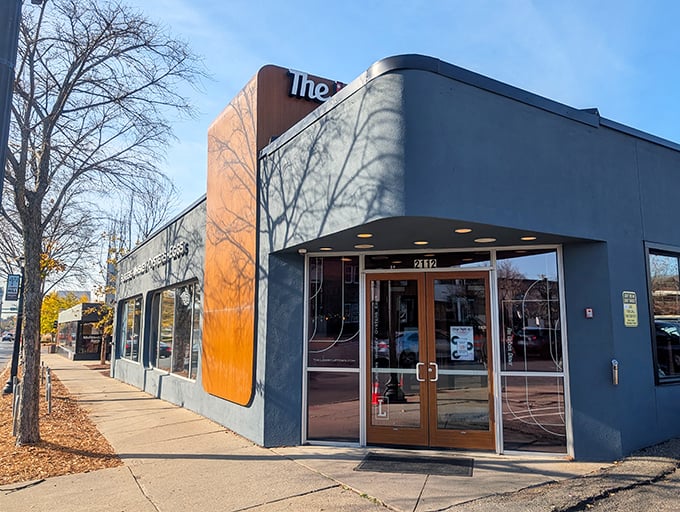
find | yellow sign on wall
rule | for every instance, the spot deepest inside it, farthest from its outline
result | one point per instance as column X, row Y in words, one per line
column 630, row 312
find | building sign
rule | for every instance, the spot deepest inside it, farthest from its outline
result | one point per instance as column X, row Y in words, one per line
column 462, row 343
column 13, row 285
column 630, row 312
column 174, row 252
column 302, row 86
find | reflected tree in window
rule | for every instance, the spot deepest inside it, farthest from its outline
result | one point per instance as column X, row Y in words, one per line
column 665, row 297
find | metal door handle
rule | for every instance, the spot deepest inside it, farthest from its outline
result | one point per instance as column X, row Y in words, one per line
column 418, row 365
column 436, row 372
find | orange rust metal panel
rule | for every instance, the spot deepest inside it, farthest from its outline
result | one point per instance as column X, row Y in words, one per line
column 263, row 109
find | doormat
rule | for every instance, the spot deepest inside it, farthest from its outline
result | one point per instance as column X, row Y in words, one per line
column 418, row 464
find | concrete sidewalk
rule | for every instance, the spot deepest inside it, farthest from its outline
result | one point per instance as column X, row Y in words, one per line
column 175, row 460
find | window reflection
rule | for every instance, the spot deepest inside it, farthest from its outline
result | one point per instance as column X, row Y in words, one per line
column 177, row 337
column 333, row 313
column 427, row 260
column 529, row 307
column 333, row 342
column 130, row 328
column 534, row 414
column 665, row 297
column 333, row 406
column 531, row 341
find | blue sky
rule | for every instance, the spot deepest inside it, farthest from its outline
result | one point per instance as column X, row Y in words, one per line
column 622, row 56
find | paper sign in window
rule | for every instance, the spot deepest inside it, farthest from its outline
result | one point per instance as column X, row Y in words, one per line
column 462, row 343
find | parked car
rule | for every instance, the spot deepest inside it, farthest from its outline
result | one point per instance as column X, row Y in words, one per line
column 667, row 347
column 8, row 336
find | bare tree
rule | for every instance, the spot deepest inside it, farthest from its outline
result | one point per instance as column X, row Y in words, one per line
column 95, row 81
column 152, row 207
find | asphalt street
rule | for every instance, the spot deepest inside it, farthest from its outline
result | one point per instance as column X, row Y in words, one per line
column 5, row 352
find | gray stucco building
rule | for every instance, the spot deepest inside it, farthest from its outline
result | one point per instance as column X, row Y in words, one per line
column 423, row 257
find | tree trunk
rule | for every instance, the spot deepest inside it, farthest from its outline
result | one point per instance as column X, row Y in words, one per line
column 28, row 431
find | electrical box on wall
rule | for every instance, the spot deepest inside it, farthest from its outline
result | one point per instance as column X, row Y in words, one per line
column 589, row 312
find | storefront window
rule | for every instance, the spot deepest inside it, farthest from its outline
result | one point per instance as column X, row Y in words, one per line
column 333, row 411
column 529, row 308
column 333, row 350
column 664, row 282
column 176, row 344
column 130, row 328
column 531, row 349
column 91, row 339
column 67, row 335
column 333, row 340
column 534, row 414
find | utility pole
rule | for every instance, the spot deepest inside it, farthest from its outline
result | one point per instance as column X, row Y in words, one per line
column 14, row 369
column 10, row 18
column 10, row 21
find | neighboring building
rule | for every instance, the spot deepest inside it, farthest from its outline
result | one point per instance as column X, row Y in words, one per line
column 76, row 293
column 78, row 336
column 428, row 258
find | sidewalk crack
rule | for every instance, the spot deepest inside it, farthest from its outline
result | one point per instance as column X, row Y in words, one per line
column 134, row 477
column 590, row 501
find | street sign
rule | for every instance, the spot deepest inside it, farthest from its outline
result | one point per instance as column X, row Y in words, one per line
column 13, row 284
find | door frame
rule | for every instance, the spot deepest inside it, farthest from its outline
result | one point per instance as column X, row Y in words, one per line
column 428, row 434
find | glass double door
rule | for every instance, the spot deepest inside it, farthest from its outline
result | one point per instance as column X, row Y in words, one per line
column 429, row 351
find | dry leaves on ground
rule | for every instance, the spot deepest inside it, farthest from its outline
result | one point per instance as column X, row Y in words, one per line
column 70, row 443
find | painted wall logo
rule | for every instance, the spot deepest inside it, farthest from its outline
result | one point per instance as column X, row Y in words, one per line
column 302, row 86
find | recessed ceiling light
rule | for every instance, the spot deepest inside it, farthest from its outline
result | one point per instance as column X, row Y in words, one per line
column 421, row 242
column 485, row 240
column 463, row 230
column 528, row 238
column 431, row 255
column 325, row 248
column 364, row 246
column 468, row 259
column 521, row 252
column 346, row 259
column 397, row 262
column 364, row 235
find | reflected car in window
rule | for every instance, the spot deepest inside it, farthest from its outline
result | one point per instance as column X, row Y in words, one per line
column 667, row 347
column 132, row 346
column 164, row 349
column 406, row 351
column 407, row 346
column 538, row 341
